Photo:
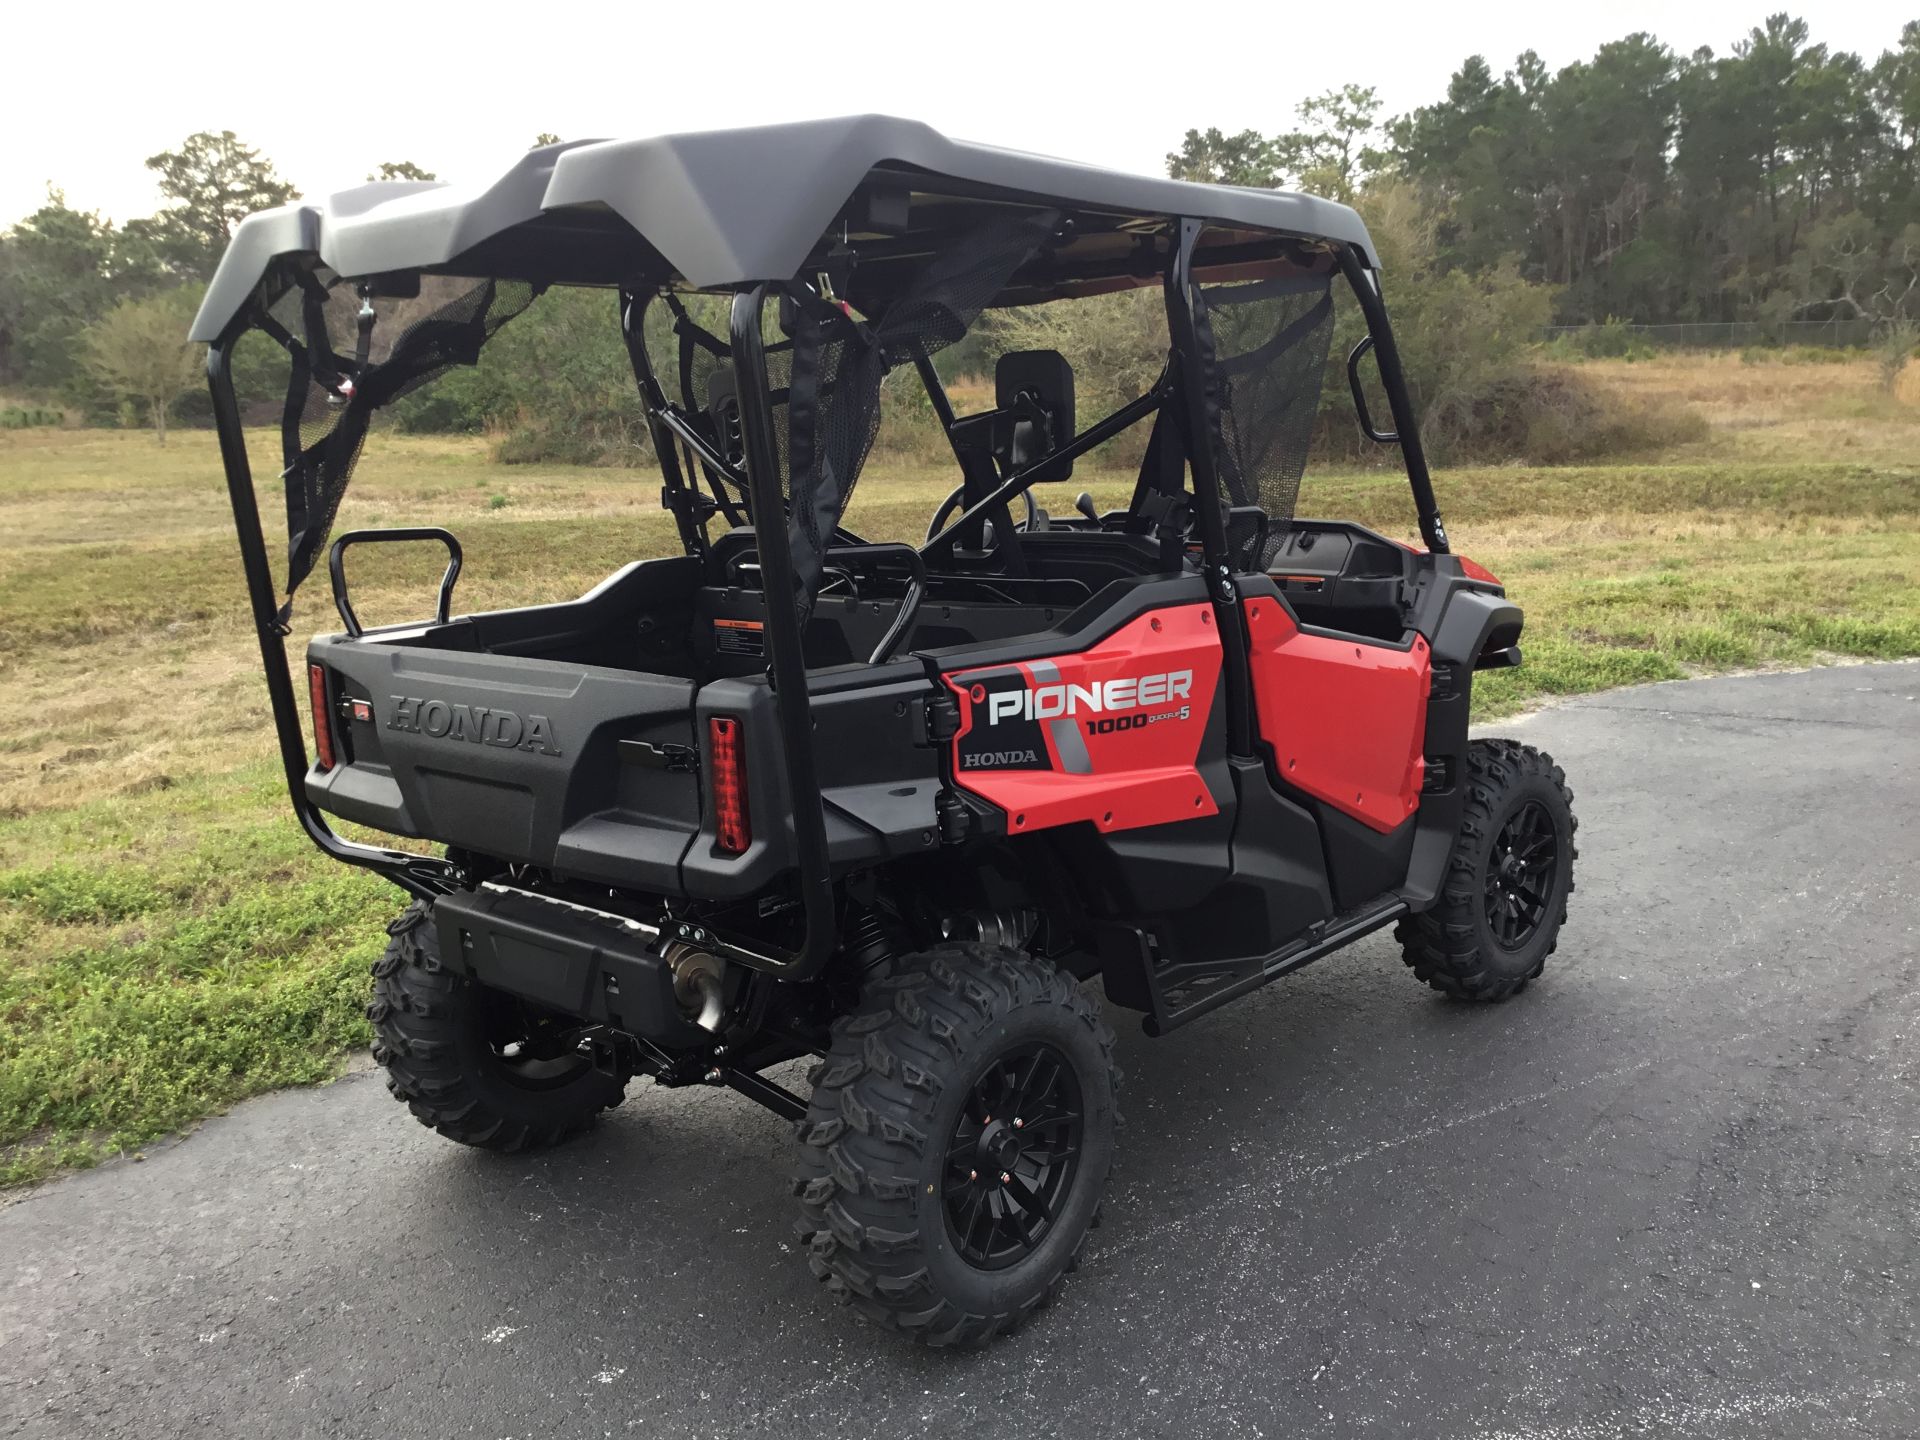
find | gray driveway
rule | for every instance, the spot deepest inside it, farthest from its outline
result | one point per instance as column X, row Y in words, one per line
column 1671, row 1190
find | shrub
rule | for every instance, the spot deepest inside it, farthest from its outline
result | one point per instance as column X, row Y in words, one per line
column 1612, row 339
column 139, row 352
column 909, row 429
column 1552, row 415
column 554, row 386
column 1895, row 350
column 526, row 440
column 1478, row 384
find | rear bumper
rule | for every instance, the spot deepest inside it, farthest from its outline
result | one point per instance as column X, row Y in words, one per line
column 512, row 757
column 579, row 962
column 425, row 741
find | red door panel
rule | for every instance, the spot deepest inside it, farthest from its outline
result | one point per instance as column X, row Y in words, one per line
column 1346, row 718
column 1109, row 735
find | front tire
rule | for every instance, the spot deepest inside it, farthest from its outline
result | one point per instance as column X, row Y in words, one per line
column 477, row 1065
column 1503, row 896
column 958, row 1143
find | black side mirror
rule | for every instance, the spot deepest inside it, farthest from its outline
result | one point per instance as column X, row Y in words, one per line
column 1035, row 388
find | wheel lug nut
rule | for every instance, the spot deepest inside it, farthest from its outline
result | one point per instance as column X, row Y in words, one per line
column 1005, row 1178
column 973, row 1174
column 1018, row 1122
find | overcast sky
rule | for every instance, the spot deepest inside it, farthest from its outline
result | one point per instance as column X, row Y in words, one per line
column 90, row 90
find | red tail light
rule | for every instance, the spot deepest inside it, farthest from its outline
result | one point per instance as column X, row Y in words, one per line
column 322, row 724
column 727, row 754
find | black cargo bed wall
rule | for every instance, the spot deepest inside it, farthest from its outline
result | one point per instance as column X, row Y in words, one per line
column 641, row 618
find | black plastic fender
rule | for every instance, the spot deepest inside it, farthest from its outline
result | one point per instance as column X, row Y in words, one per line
column 1471, row 623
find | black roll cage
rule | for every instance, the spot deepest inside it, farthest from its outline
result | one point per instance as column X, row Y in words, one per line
column 1180, row 390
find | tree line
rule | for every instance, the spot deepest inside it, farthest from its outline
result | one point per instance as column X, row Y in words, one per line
column 96, row 313
column 1778, row 180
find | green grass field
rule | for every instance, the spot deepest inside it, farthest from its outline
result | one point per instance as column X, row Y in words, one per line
column 169, row 942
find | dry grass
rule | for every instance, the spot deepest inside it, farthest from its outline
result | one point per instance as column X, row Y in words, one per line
column 172, row 942
column 1780, row 407
column 1906, row 385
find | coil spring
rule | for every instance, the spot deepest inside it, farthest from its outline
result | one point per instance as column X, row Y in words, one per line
column 869, row 939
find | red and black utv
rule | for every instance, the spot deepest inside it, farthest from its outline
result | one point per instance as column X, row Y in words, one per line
column 796, row 792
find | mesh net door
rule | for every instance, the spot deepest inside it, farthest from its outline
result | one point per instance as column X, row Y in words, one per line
column 347, row 357
column 833, row 409
column 1264, row 356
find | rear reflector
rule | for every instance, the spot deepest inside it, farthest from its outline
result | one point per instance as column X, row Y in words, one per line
column 322, row 726
column 727, row 754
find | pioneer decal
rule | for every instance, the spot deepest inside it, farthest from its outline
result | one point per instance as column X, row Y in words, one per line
column 475, row 724
column 1018, row 744
column 1128, row 692
column 1110, row 735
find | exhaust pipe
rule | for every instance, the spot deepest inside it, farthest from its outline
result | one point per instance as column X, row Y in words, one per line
column 698, row 985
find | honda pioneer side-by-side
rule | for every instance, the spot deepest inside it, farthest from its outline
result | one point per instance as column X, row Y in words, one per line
column 797, row 792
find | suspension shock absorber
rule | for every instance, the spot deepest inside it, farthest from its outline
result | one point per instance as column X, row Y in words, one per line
column 871, row 939
column 1011, row 928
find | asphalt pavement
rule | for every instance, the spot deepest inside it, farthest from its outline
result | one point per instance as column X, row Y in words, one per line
column 1670, row 1190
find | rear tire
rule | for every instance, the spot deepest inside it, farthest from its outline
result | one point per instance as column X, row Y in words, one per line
column 1503, row 895
column 475, row 1064
column 922, row 1202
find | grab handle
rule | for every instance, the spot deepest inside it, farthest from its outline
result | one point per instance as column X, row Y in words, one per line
column 1354, row 357
column 337, row 569
column 909, row 604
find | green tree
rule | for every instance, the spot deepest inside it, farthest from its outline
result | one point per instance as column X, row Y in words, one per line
column 1481, row 152
column 139, row 351
column 545, row 137
column 1333, row 151
column 214, row 181
column 1895, row 84
column 1847, row 266
column 1609, row 124
column 401, row 170
column 60, row 269
column 1213, row 158
column 1661, row 187
column 1330, row 154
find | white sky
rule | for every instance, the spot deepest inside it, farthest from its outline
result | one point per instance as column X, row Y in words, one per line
column 89, row 90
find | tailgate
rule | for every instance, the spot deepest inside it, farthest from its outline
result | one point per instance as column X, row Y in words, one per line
column 520, row 759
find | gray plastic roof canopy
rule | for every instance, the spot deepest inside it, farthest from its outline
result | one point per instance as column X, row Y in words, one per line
column 710, row 210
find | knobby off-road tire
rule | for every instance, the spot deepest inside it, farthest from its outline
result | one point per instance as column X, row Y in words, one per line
column 440, row 1035
column 1503, row 896
column 902, row 1116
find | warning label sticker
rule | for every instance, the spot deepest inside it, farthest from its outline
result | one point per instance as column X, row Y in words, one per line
column 739, row 637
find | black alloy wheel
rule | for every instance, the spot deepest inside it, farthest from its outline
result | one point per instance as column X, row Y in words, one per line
column 1503, row 893
column 1521, row 871
column 1013, row 1156
column 957, row 1143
